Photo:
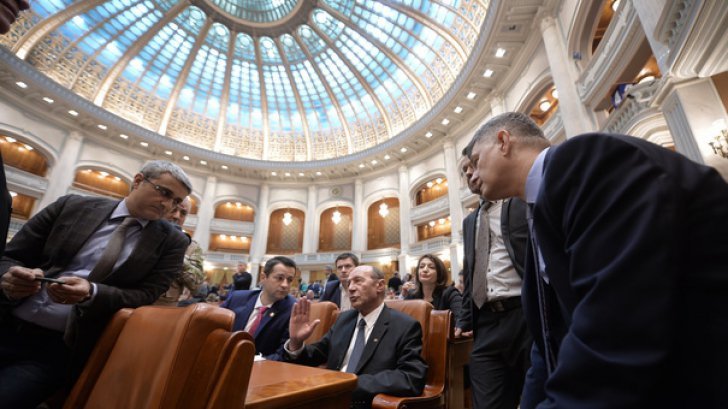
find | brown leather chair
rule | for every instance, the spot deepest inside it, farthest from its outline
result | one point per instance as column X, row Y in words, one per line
column 434, row 351
column 327, row 312
column 167, row 357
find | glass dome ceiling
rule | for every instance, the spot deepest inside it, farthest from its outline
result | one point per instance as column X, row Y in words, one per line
column 281, row 80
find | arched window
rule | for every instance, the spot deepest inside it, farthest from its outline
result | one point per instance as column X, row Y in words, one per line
column 285, row 235
column 431, row 190
column 383, row 224
column 335, row 229
column 101, row 182
column 235, row 211
column 22, row 155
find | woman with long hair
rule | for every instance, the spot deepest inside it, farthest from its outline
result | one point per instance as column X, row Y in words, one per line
column 431, row 284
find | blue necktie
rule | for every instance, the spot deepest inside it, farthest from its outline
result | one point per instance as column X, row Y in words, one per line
column 358, row 347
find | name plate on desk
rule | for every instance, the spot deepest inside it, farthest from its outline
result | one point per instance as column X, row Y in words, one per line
column 284, row 385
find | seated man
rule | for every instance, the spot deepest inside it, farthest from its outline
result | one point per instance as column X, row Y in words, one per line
column 265, row 313
column 381, row 346
column 336, row 289
column 192, row 275
column 106, row 255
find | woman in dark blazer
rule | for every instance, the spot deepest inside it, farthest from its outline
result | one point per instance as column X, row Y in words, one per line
column 431, row 284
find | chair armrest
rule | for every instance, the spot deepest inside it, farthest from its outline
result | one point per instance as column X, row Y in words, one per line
column 428, row 399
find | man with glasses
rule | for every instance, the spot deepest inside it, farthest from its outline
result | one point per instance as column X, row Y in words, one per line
column 104, row 255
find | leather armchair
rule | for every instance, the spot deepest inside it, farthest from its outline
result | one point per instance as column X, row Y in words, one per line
column 167, row 357
column 435, row 332
column 327, row 312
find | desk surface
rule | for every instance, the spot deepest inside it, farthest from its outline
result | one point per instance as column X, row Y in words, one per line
column 283, row 385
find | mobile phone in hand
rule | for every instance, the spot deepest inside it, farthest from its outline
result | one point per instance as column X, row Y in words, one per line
column 49, row 280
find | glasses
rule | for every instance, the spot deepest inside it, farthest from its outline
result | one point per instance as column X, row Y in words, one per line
column 166, row 193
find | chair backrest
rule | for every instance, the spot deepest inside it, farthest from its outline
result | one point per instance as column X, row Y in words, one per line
column 417, row 309
column 327, row 312
column 435, row 332
column 165, row 357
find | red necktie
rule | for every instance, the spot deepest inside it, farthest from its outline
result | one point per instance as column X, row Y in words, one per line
column 256, row 323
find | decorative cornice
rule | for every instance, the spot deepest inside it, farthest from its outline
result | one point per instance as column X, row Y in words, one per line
column 26, row 183
column 224, row 226
column 427, row 211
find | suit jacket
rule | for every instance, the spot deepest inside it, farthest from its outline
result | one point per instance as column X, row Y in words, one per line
column 444, row 298
column 332, row 292
column 391, row 362
column 272, row 331
column 50, row 240
column 633, row 238
column 6, row 204
column 514, row 228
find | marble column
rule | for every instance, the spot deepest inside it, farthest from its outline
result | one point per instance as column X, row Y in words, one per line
column 206, row 213
column 692, row 110
column 405, row 226
column 574, row 114
column 358, row 232
column 260, row 237
column 62, row 174
column 649, row 12
column 456, row 208
column 310, row 241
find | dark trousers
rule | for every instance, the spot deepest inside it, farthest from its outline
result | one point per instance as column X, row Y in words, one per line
column 33, row 364
column 500, row 358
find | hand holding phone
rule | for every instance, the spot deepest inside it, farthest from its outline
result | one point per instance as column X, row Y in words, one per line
column 49, row 280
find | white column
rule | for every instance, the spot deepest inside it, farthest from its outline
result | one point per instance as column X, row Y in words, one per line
column 497, row 104
column 358, row 232
column 691, row 110
column 309, row 240
column 206, row 213
column 62, row 174
column 649, row 12
column 453, row 195
column 404, row 218
column 260, row 237
column 575, row 116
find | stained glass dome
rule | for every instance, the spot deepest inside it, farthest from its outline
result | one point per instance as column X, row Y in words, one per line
column 277, row 80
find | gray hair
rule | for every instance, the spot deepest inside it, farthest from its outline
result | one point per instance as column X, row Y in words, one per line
column 156, row 168
column 376, row 273
column 518, row 124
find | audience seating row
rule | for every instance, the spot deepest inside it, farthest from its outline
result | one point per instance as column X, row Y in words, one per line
column 167, row 357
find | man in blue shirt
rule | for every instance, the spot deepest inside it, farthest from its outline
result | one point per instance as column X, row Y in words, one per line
column 104, row 255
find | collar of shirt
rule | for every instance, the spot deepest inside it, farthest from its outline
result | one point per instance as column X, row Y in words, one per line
column 371, row 318
column 259, row 303
column 123, row 211
column 535, row 177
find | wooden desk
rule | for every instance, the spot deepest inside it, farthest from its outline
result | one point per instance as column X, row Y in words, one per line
column 283, row 385
column 458, row 396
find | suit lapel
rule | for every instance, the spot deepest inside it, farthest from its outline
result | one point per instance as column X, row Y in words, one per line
column 380, row 328
column 274, row 310
column 347, row 331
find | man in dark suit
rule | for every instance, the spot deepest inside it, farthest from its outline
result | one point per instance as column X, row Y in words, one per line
column 381, row 346
column 265, row 313
column 502, row 342
column 626, row 286
column 242, row 279
column 50, row 328
column 345, row 262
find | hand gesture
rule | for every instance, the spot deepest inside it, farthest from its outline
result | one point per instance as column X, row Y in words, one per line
column 299, row 327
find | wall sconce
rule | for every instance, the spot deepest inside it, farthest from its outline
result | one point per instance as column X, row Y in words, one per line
column 287, row 218
column 336, row 216
column 720, row 144
column 383, row 210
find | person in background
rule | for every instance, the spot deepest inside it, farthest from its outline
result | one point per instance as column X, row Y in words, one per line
column 338, row 291
column 264, row 313
column 316, row 288
column 495, row 238
column 191, row 276
column 395, row 282
column 461, row 282
column 386, row 357
column 408, row 286
column 431, row 285
column 626, row 284
column 105, row 255
column 242, row 279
